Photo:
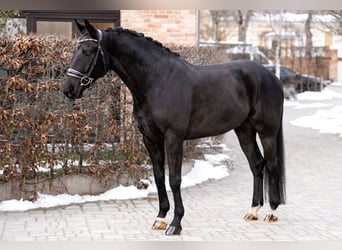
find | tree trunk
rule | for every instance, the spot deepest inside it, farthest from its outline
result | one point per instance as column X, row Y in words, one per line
column 242, row 22
column 242, row 34
column 308, row 34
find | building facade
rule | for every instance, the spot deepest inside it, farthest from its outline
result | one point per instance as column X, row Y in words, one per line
column 166, row 26
column 183, row 27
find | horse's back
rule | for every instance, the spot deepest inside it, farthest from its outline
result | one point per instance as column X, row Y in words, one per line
column 250, row 75
column 260, row 84
column 225, row 95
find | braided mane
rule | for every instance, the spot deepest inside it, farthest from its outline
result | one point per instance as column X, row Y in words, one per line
column 137, row 34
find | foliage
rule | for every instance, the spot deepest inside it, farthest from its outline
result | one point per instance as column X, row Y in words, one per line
column 40, row 129
column 5, row 15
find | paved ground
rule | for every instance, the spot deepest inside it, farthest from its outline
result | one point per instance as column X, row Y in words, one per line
column 213, row 210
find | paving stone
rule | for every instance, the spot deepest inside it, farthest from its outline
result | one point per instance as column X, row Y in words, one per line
column 214, row 209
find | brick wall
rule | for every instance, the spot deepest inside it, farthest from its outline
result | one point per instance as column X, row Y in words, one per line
column 333, row 64
column 320, row 66
column 166, row 26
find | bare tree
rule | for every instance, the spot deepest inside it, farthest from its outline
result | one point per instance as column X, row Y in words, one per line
column 277, row 23
column 240, row 17
column 308, row 34
column 334, row 25
column 217, row 17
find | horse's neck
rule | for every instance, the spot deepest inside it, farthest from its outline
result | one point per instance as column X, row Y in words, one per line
column 134, row 66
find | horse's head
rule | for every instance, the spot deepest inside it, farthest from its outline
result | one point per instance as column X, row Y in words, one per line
column 88, row 62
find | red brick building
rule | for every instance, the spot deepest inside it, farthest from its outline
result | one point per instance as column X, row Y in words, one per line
column 166, row 26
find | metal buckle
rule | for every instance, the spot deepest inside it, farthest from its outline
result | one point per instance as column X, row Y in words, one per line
column 85, row 81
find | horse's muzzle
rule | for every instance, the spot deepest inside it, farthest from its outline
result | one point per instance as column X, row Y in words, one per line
column 70, row 91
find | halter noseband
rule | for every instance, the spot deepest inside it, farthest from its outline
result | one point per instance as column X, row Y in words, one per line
column 85, row 78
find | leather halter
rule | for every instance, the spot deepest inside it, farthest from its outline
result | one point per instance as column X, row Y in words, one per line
column 85, row 78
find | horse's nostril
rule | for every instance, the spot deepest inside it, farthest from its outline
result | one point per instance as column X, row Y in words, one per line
column 68, row 92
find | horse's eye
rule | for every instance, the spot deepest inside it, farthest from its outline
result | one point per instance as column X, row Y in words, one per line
column 88, row 52
column 76, row 47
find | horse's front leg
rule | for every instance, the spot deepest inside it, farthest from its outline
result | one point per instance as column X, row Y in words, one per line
column 157, row 155
column 174, row 152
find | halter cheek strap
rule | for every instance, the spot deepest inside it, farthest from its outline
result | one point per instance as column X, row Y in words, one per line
column 85, row 78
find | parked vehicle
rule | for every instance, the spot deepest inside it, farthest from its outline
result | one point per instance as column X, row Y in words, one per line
column 293, row 81
column 248, row 51
column 297, row 82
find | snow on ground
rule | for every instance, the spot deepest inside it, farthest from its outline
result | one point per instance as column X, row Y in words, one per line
column 326, row 94
column 212, row 167
column 327, row 118
column 314, row 105
column 336, row 84
column 326, row 121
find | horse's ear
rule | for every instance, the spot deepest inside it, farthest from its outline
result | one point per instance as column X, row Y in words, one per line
column 79, row 26
column 91, row 29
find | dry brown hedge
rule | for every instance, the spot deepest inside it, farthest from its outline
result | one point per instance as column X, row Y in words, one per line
column 42, row 129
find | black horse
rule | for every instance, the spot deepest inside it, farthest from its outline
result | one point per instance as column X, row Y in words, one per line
column 176, row 101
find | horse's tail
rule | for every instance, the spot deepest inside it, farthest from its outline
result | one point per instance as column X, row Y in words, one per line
column 281, row 164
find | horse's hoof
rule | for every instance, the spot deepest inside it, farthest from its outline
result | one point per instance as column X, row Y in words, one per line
column 250, row 216
column 159, row 224
column 270, row 218
column 172, row 230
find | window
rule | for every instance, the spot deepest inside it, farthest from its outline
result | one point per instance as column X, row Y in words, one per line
column 61, row 29
column 61, row 23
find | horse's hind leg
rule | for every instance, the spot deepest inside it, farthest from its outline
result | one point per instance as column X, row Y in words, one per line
column 157, row 155
column 247, row 138
column 273, row 174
